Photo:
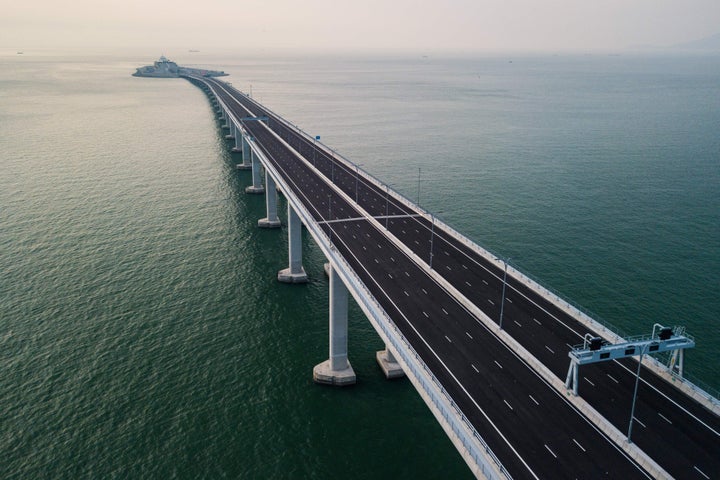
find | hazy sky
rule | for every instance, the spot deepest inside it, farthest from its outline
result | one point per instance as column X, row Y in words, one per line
column 418, row 25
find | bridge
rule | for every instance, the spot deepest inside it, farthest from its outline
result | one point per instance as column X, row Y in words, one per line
column 486, row 347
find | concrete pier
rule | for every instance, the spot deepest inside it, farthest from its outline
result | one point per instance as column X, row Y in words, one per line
column 295, row 273
column 246, row 164
column 256, row 187
column 337, row 369
column 272, row 220
column 238, row 140
column 231, row 133
column 389, row 365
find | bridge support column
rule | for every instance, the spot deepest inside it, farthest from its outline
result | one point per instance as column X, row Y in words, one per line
column 389, row 365
column 226, row 120
column 256, row 187
column 231, row 128
column 337, row 369
column 246, row 164
column 295, row 273
column 272, row 220
column 238, row 140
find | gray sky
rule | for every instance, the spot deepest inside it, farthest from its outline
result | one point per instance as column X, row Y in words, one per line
column 417, row 25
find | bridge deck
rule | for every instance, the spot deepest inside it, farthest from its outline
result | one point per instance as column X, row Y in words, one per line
column 533, row 430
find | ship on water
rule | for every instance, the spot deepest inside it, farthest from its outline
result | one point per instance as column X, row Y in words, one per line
column 164, row 68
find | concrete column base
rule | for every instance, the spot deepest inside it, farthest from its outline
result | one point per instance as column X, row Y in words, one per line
column 266, row 223
column 324, row 375
column 390, row 369
column 225, row 127
column 326, row 267
column 229, row 137
column 254, row 189
column 286, row 276
column 236, row 149
column 244, row 166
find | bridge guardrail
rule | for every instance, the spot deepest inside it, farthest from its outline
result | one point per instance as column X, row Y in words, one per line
column 689, row 382
column 429, row 383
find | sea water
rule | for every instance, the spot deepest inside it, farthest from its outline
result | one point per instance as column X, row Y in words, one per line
column 143, row 332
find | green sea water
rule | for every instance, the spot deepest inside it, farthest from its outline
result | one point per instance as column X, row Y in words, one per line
column 143, row 333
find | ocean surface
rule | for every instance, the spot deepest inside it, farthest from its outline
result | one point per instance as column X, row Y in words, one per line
column 143, row 333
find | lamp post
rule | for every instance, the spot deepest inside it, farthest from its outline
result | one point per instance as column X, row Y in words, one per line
column 502, row 302
column 332, row 166
column 387, row 205
column 637, row 381
column 329, row 217
column 432, row 236
column 357, row 180
column 317, row 137
column 418, row 195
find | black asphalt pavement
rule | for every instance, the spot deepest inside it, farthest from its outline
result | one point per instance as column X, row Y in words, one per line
column 531, row 428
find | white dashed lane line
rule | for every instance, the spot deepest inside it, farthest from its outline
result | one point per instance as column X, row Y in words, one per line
column 665, row 418
column 701, row 472
column 551, row 452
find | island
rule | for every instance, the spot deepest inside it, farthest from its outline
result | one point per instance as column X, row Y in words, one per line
column 165, row 68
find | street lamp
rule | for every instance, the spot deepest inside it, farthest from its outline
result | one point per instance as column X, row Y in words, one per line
column 317, row 137
column 502, row 302
column 637, row 381
column 418, row 195
column 432, row 236
column 387, row 205
column 357, row 180
column 329, row 217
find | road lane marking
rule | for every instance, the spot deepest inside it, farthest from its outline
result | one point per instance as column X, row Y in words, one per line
column 665, row 418
column 701, row 472
column 550, row 349
column 445, row 311
column 591, row 383
column 426, row 315
column 424, row 291
column 638, row 421
column 517, row 323
column 466, row 333
column 448, row 339
column 536, row 321
column 509, row 300
column 468, row 284
column 578, row 444
column 533, row 399
column 407, row 274
column 464, row 266
column 551, row 452
column 485, row 282
column 496, row 363
column 491, row 302
column 506, row 403
column 612, row 378
column 406, row 294
column 390, row 275
column 475, row 368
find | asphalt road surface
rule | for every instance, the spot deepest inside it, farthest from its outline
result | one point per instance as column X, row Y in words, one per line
column 531, row 428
